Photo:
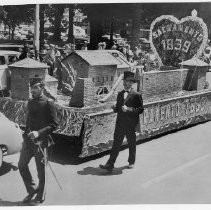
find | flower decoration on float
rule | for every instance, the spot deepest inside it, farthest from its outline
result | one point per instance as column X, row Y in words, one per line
column 174, row 40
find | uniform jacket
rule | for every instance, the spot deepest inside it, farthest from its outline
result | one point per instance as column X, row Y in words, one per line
column 129, row 118
column 42, row 118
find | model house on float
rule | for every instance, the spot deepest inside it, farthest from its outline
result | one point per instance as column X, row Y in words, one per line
column 95, row 72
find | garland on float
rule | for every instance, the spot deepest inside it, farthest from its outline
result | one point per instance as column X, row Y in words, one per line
column 176, row 21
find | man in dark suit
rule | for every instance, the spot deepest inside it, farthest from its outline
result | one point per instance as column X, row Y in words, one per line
column 41, row 121
column 128, row 107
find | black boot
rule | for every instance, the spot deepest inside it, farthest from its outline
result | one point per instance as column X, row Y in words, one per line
column 107, row 166
column 28, row 198
column 37, row 201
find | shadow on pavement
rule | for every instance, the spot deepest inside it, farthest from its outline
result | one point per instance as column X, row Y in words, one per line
column 11, row 203
column 100, row 172
column 6, row 168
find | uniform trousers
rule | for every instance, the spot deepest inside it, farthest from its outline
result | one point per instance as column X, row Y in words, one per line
column 30, row 150
column 120, row 132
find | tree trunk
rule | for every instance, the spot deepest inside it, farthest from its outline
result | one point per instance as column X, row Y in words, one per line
column 70, row 29
column 57, row 23
column 9, row 32
column 13, row 32
column 136, row 25
column 111, row 33
column 42, row 22
column 96, row 32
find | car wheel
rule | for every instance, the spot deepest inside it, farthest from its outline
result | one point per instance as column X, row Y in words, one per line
column 1, row 157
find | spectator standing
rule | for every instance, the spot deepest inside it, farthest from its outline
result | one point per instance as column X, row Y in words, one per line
column 151, row 61
column 129, row 54
column 50, row 58
column 42, row 54
column 24, row 53
column 103, row 45
column 84, row 47
column 57, row 57
column 68, row 48
column 100, row 46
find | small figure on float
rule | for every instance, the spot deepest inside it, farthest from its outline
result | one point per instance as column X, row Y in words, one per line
column 151, row 61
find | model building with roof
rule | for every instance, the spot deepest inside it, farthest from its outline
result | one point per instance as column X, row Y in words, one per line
column 25, row 70
column 91, row 72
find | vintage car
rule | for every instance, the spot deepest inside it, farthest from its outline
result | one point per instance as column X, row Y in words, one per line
column 6, row 57
column 10, row 137
column 11, row 47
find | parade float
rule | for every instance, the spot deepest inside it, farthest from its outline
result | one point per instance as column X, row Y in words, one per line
column 175, row 95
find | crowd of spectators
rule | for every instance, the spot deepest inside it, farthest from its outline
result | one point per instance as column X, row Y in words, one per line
column 139, row 56
column 52, row 55
column 206, row 55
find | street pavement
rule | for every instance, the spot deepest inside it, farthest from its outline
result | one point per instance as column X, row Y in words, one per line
column 172, row 169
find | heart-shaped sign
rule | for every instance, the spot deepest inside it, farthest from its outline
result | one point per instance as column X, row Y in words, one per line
column 175, row 41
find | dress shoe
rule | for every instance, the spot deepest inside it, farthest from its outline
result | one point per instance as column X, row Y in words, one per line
column 36, row 202
column 107, row 167
column 130, row 166
column 28, row 198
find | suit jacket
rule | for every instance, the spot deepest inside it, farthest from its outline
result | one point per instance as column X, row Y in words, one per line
column 129, row 119
column 42, row 118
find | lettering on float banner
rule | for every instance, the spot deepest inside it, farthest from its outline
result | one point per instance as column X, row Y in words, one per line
column 175, row 41
column 175, row 110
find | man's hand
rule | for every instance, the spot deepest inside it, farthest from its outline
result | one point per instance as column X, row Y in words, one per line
column 126, row 109
column 33, row 135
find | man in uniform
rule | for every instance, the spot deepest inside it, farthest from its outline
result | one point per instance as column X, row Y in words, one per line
column 41, row 121
column 128, row 107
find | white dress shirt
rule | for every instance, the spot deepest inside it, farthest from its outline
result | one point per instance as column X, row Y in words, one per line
column 126, row 93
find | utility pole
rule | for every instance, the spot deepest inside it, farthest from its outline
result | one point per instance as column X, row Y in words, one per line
column 37, row 32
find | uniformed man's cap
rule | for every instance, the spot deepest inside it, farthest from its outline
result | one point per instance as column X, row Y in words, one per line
column 37, row 82
column 129, row 76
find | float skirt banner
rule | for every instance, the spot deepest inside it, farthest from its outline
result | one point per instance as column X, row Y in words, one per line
column 98, row 132
column 70, row 119
column 98, row 128
column 158, row 117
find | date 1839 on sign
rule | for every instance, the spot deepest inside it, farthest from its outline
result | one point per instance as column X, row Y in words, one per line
column 178, row 44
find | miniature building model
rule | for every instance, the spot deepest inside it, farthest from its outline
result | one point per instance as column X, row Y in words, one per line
column 21, row 73
column 97, row 69
column 191, row 76
column 83, row 93
column 196, row 76
column 157, row 83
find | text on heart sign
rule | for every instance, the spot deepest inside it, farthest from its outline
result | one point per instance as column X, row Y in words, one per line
column 178, row 27
column 174, row 41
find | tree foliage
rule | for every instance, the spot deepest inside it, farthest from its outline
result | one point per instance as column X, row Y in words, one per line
column 98, row 14
column 15, row 15
column 138, row 14
column 70, row 24
column 55, row 12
